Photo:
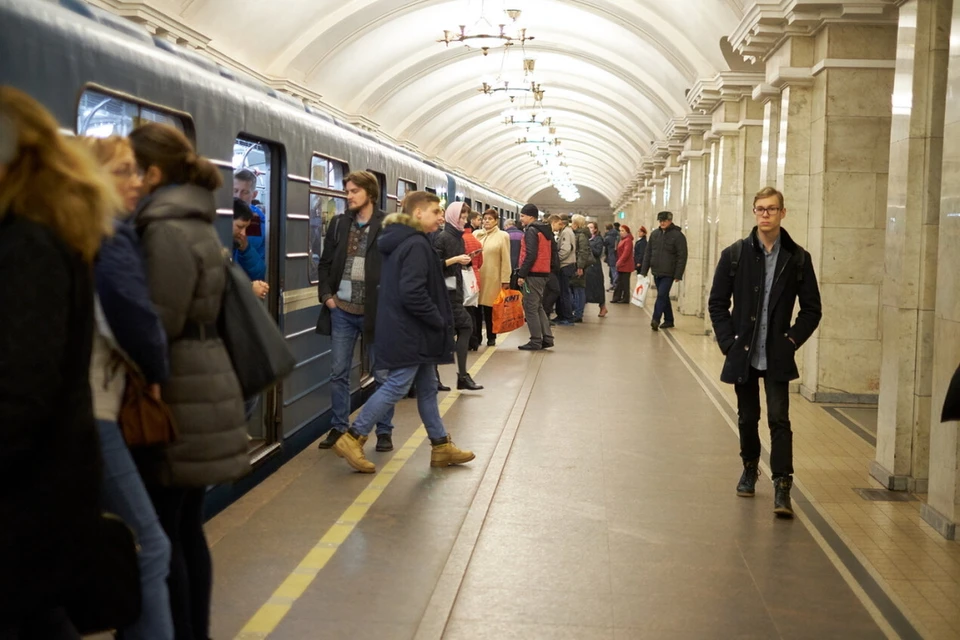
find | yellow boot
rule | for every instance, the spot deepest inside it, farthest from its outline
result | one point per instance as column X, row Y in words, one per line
column 447, row 453
column 362, row 440
column 351, row 449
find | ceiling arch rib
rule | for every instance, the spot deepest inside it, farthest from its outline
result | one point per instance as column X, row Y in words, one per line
column 531, row 182
column 586, row 173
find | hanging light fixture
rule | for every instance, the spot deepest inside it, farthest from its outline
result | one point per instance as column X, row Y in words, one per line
column 513, row 84
column 487, row 24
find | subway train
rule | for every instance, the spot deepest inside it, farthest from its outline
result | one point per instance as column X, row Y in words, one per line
column 100, row 74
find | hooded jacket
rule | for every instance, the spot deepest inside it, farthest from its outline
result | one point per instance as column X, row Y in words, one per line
column 538, row 251
column 415, row 318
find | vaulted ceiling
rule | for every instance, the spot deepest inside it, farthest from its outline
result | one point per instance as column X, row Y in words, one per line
column 614, row 73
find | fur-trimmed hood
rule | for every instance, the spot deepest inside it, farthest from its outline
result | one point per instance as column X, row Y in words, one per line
column 398, row 227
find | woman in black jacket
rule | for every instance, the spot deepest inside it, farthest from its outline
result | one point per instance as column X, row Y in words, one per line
column 449, row 246
column 54, row 204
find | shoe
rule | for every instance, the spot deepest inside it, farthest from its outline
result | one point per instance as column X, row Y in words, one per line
column 350, row 448
column 384, row 442
column 781, row 497
column 564, row 323
column 655, row 325
column 466, row 382
column 746, row 488
column 547, row 344
column 603, row 313
column 491, row 342
column 530, row 347
column 578, row 320
column 442, row 387
column 444, row 454
column 362, row 440
column 667, row 325
column 332, row 436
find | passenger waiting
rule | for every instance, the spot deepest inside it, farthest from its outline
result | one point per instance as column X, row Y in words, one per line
column 567, row 248
column 474, row 249
column 186, row 274
column 415, row 322
column 537, row 258
column 129, row 328
column 245, row 188
column 585, row 258
column 243, row 252
column 496, row 270
column 516, row 235
column 54, row 212
column 595, row 289
column 625, row 266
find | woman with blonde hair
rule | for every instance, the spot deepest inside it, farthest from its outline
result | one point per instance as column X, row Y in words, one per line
column 495, row 270
column 129, row 330
column 187, row 276
column 54, row 213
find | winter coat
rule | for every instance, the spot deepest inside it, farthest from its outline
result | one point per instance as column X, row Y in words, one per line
column 449, row 244
column 639, row 248
column 567, row 246
column 538, row 259
column 666, row 253
column 625, row 255
column 415, row 319
column 516, row 236
column 334, row 260
column 584, row 257
column 496, row 268
column 186, row 275
column 126, row 320
column 49, row 449
column 596, row 287
column 736, row 330
column 611, row 240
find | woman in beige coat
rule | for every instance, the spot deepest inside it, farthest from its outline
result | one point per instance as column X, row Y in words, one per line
column 495, row 272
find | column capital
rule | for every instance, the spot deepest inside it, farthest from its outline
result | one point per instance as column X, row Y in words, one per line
column 764, row 93
column 768, row 23
column 726, row 86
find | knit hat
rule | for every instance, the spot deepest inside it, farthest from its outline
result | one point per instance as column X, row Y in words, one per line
column 530, row 211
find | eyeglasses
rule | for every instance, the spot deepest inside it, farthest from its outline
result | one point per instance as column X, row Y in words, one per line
column 766, row 211
column 127, row 172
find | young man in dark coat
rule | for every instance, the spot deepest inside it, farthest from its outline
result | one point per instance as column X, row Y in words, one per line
column 765, row 274
column 415, row 329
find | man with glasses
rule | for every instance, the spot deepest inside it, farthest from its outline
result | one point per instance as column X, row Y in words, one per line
column 764, row 274
column 666, row 256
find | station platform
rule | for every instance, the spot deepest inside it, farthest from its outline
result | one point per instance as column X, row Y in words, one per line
column 601, row 504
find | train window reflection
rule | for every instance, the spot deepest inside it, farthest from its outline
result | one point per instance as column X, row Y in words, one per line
column 327, row 200
column 100, row 116
column 403, row 188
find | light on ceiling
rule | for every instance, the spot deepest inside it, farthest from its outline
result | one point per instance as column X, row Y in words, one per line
column 486, row 25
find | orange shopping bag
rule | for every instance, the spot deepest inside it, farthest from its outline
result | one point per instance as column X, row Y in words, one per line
column 508, row 311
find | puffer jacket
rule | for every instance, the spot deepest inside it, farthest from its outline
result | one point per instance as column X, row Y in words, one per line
column 666, row 253
column 186, row 275
column 584, row 257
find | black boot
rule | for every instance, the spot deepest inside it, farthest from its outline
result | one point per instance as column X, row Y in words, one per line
column 332, row 436
column 466, row 382
column 442, row 387
column 781, row 497
column 384, row 442
column 746, row 488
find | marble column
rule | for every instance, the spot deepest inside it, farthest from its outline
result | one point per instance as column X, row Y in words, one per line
column 908, row 294
column 942, row 510
column 691, row 300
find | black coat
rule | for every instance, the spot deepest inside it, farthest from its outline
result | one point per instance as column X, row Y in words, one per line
column 610, row 240
column 448, row 243
column 415, row 319
column 736, row 331
column 666, row 253
column 333, row 261
column 596, row 293
column 49, row 448
column 639, row 249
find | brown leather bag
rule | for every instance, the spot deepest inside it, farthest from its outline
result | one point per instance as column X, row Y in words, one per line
column 144, row 420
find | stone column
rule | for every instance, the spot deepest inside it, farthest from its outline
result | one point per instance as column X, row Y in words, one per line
column 942, row 510
column 908, row 294
column 695, row 224
column 769, row 97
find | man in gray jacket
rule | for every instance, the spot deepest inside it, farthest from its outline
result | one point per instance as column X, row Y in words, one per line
column 567, row 247
column 666, row 254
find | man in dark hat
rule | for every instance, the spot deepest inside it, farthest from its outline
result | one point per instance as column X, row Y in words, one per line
column 538, row 257
column 666, row 255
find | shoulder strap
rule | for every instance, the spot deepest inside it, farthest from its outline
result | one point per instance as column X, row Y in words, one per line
column 735, row 252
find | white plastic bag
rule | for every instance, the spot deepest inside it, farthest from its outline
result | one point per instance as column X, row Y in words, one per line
column 471, row 288
column 639, row 296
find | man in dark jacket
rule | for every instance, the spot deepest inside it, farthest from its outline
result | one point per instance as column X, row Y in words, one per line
column 415, row 325
column 516, row 235
column 610, row 241
column 640, row 247
column 349, row 274
column 765, row 274
column 538, row 258
column 666, row 255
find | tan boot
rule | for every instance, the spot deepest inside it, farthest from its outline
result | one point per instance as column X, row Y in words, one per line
column 351, row 450
column 447, row 453
column 362, row 440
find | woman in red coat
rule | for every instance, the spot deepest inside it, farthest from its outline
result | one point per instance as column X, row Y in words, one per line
column 625, row 266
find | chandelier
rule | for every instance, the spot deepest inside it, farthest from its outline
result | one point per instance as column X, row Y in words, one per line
column 486, row 28
column 513, row 85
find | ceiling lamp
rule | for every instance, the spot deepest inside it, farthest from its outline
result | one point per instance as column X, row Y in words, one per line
column 486, row 25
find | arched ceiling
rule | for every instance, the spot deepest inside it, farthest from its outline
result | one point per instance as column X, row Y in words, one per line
column 614, row 73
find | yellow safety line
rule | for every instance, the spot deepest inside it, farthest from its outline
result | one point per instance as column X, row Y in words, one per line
column 275, row 609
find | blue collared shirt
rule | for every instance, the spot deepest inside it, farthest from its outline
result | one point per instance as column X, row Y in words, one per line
column 759, row 360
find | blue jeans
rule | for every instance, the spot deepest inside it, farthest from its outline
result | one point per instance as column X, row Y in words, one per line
column 345, row 329
column 579, row 302
column 565, row 303
column 124, row 494
column 393, row 389
column 614, row 275
column 663, row 306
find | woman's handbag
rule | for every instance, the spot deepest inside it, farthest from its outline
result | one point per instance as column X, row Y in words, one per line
column 508, row 311
column 144, row 421
column 258, row 351
column 471, row 288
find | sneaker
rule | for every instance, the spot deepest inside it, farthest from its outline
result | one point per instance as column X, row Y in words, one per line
column 547, row 344
column 332, row 436
column 781, row 497
column 384, row 442
column 446, row 453
column 747, row 486
column 666, row 325
column 564, row 323
column 350, row 448
column 530, row 346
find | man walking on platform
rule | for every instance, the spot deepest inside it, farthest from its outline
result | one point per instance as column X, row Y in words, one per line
column 415, row 332
column 765, row 274
column 666, row 255
column 538, row 256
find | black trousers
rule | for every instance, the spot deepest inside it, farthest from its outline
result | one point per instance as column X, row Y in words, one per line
column 551, row 294
column 622, row 292
column 180, row 511
column 778, row 417
column 476, row 314
column 44, row 624
column 488, row 320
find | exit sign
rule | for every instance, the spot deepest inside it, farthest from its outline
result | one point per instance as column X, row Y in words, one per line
column 622, row 215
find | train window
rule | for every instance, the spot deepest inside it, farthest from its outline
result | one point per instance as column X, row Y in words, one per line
column 327, row 199
column 403, row 188
column 100, row 115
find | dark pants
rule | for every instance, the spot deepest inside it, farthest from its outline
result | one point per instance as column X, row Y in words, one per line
column 613, row 273
column 46, row 624
column 191, row 571
column 476, row 315
column 622, row 292
column 663, row 306
column 463, row 326
column 551, row 294
column 778, row 417
column 565, row 302
column 488, row 320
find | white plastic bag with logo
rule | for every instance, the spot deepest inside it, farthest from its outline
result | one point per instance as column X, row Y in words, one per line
column 639, row 296
column 471, row 288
